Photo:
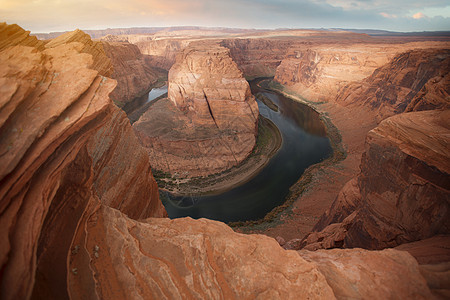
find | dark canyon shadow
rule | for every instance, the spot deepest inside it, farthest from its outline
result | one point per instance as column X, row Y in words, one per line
column 304, row 143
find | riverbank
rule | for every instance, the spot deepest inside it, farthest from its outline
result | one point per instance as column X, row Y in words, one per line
column 268, row 142
column 316, row 190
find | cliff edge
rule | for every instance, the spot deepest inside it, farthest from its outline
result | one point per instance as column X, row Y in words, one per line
column 64, row 145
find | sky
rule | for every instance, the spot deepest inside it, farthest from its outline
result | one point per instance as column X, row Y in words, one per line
column 61, row 15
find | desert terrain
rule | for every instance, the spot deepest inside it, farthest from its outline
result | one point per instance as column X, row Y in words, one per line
column 80, row 210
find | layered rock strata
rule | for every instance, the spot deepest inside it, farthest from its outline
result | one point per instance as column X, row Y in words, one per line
column 162, row 52
column 402, row 193
column 319, row 72
column 12, row 35
column 412, row 81
column 209, row 123
column 74, row 180
column 257, row 57
column 133, row 71
column 64, row 144
column 93, row 48
column 185, row 258
column 316, row 73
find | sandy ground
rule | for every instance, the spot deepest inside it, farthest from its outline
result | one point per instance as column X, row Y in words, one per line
column 327, row 180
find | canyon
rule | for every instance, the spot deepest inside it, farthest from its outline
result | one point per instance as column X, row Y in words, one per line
column 80, row 212
column 133, row 71
column 208, row 124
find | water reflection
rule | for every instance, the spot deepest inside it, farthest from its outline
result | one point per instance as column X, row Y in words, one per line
column 136, row 108
column 304, row 144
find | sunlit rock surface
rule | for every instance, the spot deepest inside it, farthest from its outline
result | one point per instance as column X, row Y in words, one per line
column 209, row 122
column 78, row 201
column 63, row 144
column 185, row 258
column 412, row 81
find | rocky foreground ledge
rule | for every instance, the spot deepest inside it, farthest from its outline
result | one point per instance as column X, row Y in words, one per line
column 78, row 204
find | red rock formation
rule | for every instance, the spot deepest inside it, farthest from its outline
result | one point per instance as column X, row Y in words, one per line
column 257, row 57
column 132, row 70
column 412, row 81
column 402, row 193
column 362, row 274
column 64, row 145
column 95, row 49
column 12, row 35
column 211, row 122
column 434, row 250
column 162, row 52
column 319, row 72
column 74, row 179
column 185, row 258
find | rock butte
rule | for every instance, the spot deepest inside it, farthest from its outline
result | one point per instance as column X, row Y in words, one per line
column 79, row 206
column 209, row 123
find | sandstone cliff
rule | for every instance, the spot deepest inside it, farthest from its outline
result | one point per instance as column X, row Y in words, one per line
column 199, row 259
column 64, row 144
column 210, row 122
column 12, row 35
column 132, row 70
column 402, row 193
column 412, row 81
column 163, row 52
column 74, row 180
column 95, row 49
column 257, row 57
column 319, row 72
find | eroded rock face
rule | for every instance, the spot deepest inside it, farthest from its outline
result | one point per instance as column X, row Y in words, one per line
column 402, row 193
column 132, row 70
column 64, row 144
column 319, row 72
column 12, row 35
column 93, row 48
column 162, row 52
column 257, row 57
column 412, row 81
column 206, row 83
column 209, row 123
column 185, row 258
column 75, row 180
column 358, row 273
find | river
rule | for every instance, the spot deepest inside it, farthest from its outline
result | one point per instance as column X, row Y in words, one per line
column 304, row 143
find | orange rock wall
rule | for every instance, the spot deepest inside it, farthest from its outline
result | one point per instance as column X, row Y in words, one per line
column 133, row 71
column 185, row 258
column 64, row 145
column 402, row 193
column 319, row 72
column 417, row 80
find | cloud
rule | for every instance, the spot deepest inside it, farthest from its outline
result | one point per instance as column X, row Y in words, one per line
column 388, row 16
column 59, row 15
column 419, row 15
